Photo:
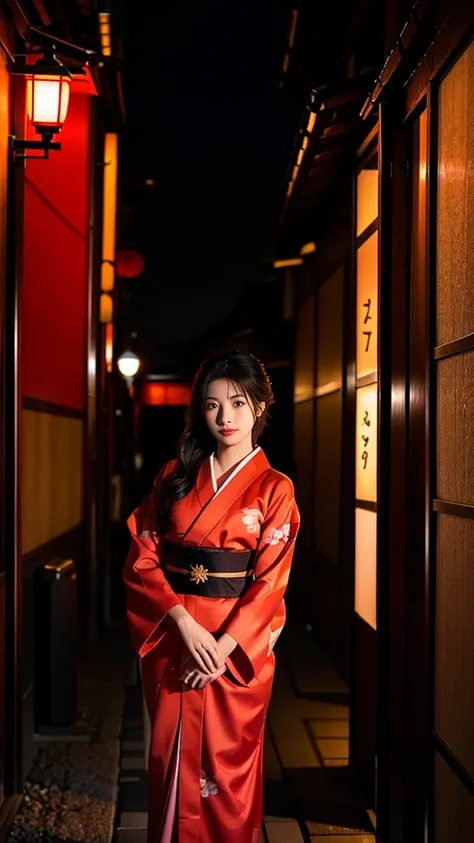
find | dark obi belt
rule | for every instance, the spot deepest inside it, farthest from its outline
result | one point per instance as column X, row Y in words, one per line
column 207, row 571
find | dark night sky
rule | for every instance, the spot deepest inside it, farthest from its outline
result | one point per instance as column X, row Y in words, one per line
column 207, row 122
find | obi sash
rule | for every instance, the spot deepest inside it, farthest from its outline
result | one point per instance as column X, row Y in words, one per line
column 207, row 571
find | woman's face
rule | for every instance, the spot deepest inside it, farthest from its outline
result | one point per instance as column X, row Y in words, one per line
column 228, row 412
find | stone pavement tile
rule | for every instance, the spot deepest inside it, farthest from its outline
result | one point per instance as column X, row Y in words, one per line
column 333, row 747
column 321, row 831
column 133, row 795
column 132, row 733
column 287, row 832
column 131, row 835
column 343, row 838
column 342, row 825
column 329, row 711
column 311, row 669
column 137, row 762
column 133, row 819
column 296, row 752
column 291, row 738
column 271, row 764
column 139, row 745
column 336, row 762
column 329, row 728
column 269, row 818
column 277, row 800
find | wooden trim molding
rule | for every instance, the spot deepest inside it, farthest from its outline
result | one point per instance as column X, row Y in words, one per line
column 454, row 763
column 459, row 346
column 370, row 506
column 68, row 544
column 39, row 406
column 459, row 510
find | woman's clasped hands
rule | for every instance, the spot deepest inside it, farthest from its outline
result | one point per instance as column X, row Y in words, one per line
column 204, row 658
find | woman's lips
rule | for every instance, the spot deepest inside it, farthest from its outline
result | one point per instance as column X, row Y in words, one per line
column 227, row 432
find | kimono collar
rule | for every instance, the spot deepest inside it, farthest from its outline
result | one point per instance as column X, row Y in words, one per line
column 206, row 485
column 214, row 505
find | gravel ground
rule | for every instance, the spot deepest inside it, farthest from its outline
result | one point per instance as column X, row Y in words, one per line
column 70, row 793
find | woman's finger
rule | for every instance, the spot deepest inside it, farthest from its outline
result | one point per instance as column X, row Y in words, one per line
column 210, row 646
column 211, row 667
column 210, row 655
column 200, row 663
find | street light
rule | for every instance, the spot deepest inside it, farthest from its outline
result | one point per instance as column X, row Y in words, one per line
column 128, row 365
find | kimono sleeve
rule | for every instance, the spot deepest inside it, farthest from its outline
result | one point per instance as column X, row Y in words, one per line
column 251, row 623
column 149, row 595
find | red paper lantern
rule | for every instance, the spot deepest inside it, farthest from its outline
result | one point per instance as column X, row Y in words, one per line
column 129, row 264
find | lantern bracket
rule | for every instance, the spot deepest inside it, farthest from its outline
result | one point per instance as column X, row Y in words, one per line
column 20, row 146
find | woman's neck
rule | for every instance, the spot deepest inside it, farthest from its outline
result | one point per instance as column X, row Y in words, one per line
column 227, row 457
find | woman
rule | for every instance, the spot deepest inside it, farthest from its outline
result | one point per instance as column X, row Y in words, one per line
column 206, row 574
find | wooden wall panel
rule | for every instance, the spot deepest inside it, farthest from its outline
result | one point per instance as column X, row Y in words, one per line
column 303, row 445
column 52, row 477
column 454, row 693
column 329, row 339
column 454, row 807
column 328, row 476
column 455, row 449
column 2, row 681
column 304, row 352
column 455, row 262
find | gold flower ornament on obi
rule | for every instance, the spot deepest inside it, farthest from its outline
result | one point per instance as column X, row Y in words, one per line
column 199, row 573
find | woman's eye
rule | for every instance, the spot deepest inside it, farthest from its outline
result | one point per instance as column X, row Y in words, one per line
column 211, row 406
column 239, row 403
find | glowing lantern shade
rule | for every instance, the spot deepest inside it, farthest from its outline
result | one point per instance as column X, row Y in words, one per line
column 47, row 99
column 128, row 364
column 129, row 264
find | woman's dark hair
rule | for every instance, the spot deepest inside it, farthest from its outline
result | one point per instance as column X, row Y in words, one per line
column 244, row 371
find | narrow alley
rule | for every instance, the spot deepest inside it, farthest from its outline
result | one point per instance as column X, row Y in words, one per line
column 236, row 416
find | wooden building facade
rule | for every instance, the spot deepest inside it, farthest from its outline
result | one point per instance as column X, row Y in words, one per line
column 378, row 224
column 57, row 221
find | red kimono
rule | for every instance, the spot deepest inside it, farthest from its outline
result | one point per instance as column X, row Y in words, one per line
column 205, row 764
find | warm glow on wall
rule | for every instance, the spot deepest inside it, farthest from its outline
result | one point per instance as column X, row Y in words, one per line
column 165, row 394
column 109, row 346
column 311, row 122
column 106, row 308
column 105, row 34
column 285, row 262
column 367, row 199
column 366, row 566
column 367, row 306
column 107, row 276
column 366, row 443
column 109, row 211
column 308, row 248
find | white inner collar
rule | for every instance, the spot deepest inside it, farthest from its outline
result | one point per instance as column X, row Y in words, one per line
column 236, row 470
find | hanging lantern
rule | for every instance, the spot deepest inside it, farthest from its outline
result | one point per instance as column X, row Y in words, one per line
column 47, row 95
column 129, row 264
column 48, row 84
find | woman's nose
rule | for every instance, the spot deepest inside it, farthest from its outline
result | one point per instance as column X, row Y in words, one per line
column 223, row 417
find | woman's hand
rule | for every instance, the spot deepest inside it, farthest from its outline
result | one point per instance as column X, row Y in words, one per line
column 201, row 645
column 193, row 677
